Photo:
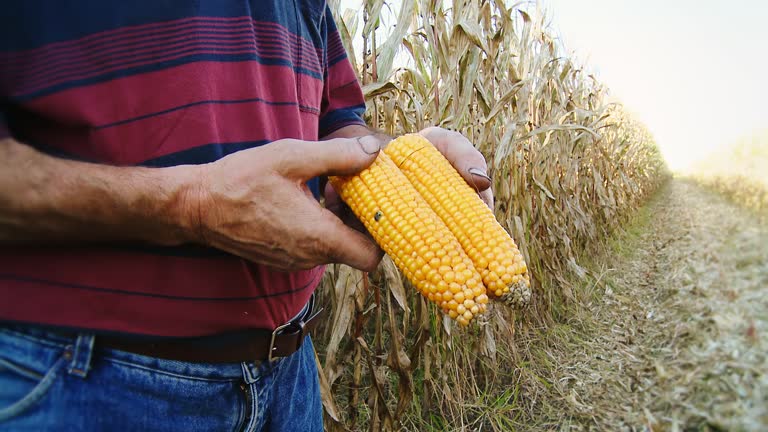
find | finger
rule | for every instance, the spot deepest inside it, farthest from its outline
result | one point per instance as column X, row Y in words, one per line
column 464, row 157
column 333, row 201
column 339, row 156
column 345, row 245
column 487, row 197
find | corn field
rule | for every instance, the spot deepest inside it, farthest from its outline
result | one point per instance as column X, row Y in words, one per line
column 567, row 167
column 743, row 190
column 738, row 172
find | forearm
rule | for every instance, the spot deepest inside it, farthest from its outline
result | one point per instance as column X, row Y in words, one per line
column 47, row 200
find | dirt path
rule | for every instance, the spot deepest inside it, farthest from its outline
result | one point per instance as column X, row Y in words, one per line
column 680, row 334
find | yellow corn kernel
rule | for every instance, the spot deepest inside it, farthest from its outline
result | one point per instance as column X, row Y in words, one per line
column 395, row 215
column 492, row 250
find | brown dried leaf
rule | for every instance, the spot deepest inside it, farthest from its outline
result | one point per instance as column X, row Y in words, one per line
column 325, row 392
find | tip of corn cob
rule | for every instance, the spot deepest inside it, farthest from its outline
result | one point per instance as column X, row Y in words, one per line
column 518, row 296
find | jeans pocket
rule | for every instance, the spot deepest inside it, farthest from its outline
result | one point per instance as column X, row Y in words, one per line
column 22, row 387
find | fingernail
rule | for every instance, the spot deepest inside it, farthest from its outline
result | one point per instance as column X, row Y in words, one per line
column 370, row 144
column 480, row 173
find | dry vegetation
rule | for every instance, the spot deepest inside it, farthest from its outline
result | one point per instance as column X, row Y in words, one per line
column 739, row 172
column 568, row 169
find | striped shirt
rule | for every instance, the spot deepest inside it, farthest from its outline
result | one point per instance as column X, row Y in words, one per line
column 159, row 83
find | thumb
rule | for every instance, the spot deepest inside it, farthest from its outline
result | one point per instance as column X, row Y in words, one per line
column 346, row 245
column 338, row 156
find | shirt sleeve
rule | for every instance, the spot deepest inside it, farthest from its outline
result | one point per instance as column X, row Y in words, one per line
column 343, row 103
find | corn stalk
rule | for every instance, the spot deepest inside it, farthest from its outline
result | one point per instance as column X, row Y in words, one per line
column 567, row 167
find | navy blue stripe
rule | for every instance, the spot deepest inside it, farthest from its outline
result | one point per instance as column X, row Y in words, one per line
column 212, row 152
column 350, row 115
column 209, row 153
column 206, row 102
column 59, row 21
column 73, row 73
column 334, row 56
column 99, row 46
column 163, row 65
column 255, row 32
column 146, row 294
column 201, row 154
column 335, row 47
column 337, row 59
column 94, row 55
column 55, row 70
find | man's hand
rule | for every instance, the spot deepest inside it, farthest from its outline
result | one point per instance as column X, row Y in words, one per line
column 255, row 204
column 469, row 162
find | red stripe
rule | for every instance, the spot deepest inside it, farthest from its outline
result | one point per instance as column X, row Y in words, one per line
column 342, row 89
column 93, row 55
column 57, row 59
column 80, row 71
column 340, row 74
column 79, row 110
column 129, row 36
column 94, row 61
column 343, row 98
column 102, row 46
column 134, row 64
column 136, row 142
column 334, row 39
column 164, row 134
column 336, row 55
column 334, row 43
column 205, row 124
column 72, row 304
column 287, row 35
column 94, row 105
column 110, row 35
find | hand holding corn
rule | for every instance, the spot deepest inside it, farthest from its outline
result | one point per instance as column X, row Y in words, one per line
column 436, row 228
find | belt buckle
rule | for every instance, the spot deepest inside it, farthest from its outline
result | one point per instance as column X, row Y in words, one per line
column 272, row 346
column 298, row 323
column 278, row 331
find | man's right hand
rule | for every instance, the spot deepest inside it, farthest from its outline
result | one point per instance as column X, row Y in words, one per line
column 255, row 204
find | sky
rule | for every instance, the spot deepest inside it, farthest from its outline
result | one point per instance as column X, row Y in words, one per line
column 694, row 72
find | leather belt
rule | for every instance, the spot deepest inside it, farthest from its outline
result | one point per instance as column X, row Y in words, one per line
column 255, row 345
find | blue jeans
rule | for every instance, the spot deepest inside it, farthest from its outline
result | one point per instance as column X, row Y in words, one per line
column 50, row 382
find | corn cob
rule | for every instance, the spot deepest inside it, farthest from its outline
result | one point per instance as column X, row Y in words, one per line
column 491, row 249
column 418, row 241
